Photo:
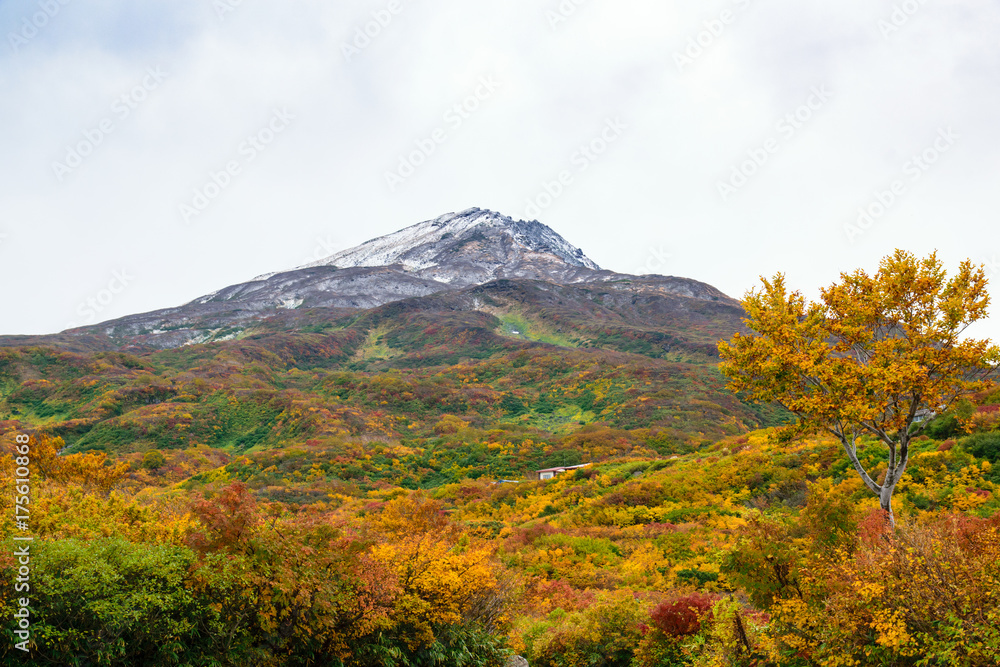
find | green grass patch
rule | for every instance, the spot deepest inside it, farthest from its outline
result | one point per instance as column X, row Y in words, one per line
column 514, row 325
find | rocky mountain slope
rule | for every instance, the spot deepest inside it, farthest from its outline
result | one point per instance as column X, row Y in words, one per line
column 469, row 248
column 454, row 253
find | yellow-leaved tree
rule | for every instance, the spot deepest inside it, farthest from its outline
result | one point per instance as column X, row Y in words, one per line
column 877, row 355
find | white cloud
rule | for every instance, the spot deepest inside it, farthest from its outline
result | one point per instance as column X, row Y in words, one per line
column 324, row 176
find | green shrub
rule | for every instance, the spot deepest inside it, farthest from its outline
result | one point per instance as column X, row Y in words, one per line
column 153, row 460
column 124, row 602
column 983, row 446
column 943, row 427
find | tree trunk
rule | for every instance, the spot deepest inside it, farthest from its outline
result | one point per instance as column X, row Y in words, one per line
column 885, row 502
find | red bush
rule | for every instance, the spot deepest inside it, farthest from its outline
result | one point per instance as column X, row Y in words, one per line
column 946, row 445
column 682, row 616
column 525, row 536
column 873, row 527
column 228, row 519
column 557, row 594
column 654, row 529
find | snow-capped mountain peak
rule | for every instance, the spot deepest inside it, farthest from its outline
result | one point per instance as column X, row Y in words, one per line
column 449, row 254
column 474, row 235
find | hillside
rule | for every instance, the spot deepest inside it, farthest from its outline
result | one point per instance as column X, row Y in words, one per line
column 338, row 465
column 537, row 360
column 633, row 561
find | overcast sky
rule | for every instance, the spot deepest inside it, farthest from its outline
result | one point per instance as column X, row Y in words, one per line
column 154, row 152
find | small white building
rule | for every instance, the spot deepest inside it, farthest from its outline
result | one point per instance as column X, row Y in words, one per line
column 549, row 473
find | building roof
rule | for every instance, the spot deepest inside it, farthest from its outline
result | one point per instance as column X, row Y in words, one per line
column 563, row 468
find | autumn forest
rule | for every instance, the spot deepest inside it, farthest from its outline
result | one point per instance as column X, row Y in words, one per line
column 361, row 488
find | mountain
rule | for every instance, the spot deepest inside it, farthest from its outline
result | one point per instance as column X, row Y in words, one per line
column 474, row 316
column 454, row 253
column 470, row 248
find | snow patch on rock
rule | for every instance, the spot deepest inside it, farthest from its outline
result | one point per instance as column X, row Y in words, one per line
column 419, row 246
